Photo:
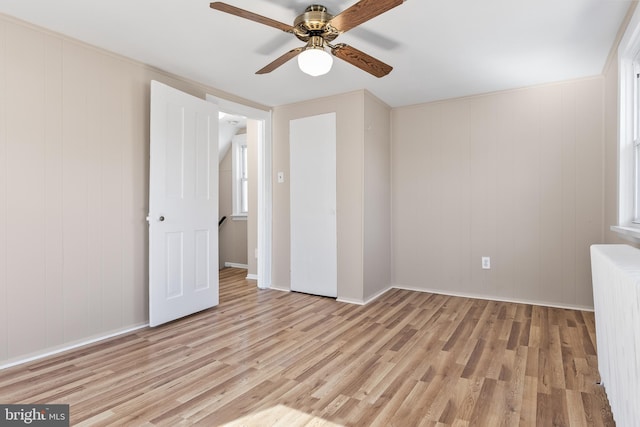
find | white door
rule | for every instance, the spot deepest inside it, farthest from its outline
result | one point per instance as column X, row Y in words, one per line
column 183, row 205
column 312, row 164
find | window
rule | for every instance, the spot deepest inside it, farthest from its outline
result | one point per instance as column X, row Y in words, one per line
column 629, row 131
column 240, row 186
column 636, row 141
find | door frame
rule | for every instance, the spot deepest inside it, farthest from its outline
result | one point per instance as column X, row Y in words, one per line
column 265, row 188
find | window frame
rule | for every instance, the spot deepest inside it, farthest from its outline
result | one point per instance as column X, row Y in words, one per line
column 628, row 221
column 240, row 175
column 636, row 140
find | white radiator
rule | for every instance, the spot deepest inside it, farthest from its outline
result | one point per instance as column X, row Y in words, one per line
column 616, row 295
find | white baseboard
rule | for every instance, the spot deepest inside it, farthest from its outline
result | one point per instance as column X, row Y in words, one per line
column 364, row 302
column 378, row 295
column 453, row 294
column 350, row 301
column 495, row 298
column 77, row 344
column 236, row 265
column 252, row 277
column 275, row 288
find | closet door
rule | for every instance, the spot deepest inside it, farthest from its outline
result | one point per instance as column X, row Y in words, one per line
column 312, row 142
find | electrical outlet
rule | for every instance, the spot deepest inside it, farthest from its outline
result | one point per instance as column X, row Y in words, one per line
column 486, row 263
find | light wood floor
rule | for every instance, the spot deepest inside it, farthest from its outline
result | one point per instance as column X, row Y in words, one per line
column 265, row 357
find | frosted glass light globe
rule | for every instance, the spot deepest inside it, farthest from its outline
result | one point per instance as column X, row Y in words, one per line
column 315, row 61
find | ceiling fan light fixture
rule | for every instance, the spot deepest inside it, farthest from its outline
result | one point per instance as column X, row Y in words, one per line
column 315, row 61
column 317, row 28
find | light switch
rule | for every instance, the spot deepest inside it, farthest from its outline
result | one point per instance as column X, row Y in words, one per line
column 280, row 177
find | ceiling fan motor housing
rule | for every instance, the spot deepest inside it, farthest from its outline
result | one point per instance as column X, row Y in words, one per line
column 314, row 22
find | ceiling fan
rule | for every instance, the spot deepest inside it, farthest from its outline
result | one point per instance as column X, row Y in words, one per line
column 317, row 28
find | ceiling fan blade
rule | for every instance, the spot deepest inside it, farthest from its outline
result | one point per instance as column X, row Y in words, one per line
column 224, row 7
column 281, row 60
column 361, row 60
column 362, row 12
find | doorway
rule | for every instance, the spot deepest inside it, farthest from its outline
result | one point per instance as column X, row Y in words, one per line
column 261, row 120
column 237, row 202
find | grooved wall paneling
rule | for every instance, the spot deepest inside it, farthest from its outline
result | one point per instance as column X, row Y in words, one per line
column 515, row 175
column 74, row 166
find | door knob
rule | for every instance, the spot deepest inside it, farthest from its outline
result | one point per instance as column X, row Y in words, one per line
column 161, row 218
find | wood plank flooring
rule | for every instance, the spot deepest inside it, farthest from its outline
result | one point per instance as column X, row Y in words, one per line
column 264, row 357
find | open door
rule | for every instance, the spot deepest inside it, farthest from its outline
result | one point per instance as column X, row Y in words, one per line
column 183, row 205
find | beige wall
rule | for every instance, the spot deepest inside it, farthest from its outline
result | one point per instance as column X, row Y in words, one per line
column 349, row 169
column 363, row 128
column 376, row 196
column 232, row 235
column 517, row 176
column 73, row 189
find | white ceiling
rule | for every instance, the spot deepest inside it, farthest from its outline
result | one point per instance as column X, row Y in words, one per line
column 439, row 48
